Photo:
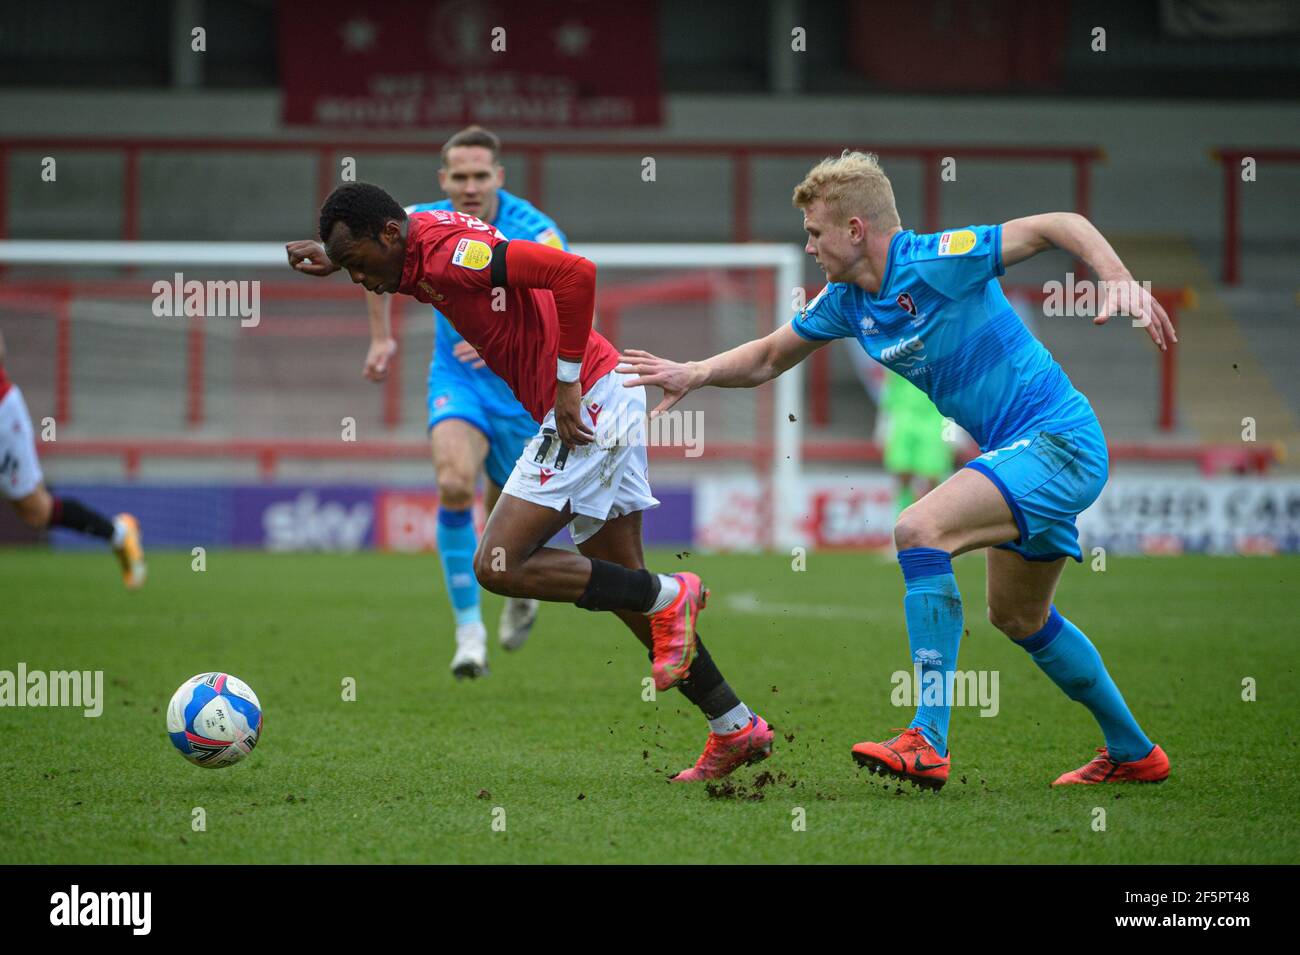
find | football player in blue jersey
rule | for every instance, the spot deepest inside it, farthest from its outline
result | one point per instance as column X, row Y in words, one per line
column 476, row 423
column 929, row 307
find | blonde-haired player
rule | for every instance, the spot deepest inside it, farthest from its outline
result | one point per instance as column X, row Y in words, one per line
column 929, row 307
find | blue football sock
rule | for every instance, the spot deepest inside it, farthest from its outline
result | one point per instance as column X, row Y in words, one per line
column 457, row 541
column 934, row 622
column 1067, row 656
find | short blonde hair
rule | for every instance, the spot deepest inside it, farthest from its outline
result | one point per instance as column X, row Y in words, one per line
column 852, row 184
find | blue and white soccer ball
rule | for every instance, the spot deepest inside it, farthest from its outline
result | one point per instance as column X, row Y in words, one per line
column 214, row 720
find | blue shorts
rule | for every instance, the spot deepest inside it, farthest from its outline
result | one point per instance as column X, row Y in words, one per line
column 507, row 429
column 1048, row 477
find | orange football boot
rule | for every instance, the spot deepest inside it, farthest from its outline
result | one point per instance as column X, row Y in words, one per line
column 673, row 632
column 908, row 756
column 130, row 554
column 1152, row 768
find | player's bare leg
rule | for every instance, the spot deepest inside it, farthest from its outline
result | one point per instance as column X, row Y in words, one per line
column 1020, row 596
column 513, row 561
column 459, row 450
column 736, row 734
column 519, row 613
column 40, row 509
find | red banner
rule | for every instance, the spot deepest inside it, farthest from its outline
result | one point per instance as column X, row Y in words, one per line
column 502, row 63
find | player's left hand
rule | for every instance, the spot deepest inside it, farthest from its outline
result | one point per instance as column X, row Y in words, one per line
column 1124, row 296
column 568, row 415
column 468, row 354
column 307, row 255
column 675, row 378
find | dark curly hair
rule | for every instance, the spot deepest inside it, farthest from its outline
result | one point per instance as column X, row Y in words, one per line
column 362, row 207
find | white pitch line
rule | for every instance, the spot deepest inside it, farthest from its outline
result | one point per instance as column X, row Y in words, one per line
column 749, row 603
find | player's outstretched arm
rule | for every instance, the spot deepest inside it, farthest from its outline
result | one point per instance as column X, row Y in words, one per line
column 1025, row 238
column 382, row 344
column 745, row 366
column 308, row 255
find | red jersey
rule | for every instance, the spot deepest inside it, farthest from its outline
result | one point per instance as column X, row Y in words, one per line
column 5, row 383
column 448, row 259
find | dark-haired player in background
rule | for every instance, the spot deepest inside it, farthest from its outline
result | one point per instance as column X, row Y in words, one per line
column 475, row 421
column 527, row 308
column 23, row 485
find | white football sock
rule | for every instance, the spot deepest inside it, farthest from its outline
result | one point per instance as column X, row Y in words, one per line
column 669, row 588
column 736, row 718
column 119, row 535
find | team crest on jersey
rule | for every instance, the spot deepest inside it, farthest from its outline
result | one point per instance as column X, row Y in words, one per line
column 956, row 243
column 430, row 291
column 906, row 304
column 472, row 254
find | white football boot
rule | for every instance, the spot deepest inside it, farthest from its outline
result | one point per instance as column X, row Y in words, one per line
column 517, row 619
column 470, row 661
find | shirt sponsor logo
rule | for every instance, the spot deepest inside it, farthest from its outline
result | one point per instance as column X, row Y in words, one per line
column 904, row 354
column 472, row 254
column 956, row 243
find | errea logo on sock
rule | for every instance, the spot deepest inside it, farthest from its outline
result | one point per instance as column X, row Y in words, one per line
column 103, row 908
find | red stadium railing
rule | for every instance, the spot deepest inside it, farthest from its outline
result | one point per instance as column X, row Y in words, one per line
column 55, row 297
column 1209, row 458
column 1229, row 159
column 740, row 155
column 1171, row 299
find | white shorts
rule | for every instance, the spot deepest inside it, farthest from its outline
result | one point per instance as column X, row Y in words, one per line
column 599, row 481
column 20, row 471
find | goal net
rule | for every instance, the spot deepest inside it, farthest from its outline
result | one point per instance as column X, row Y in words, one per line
column 220, row 397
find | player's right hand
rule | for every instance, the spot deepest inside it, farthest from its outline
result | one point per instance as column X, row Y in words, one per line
column 675, row 378
column 568, row 415
column 308, row 255
column 381, row 350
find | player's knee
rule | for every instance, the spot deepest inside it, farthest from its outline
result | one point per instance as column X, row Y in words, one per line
column 491, row 567
column 915, row 529
column 455, row 491
column 1015, row 622
column 34, row 509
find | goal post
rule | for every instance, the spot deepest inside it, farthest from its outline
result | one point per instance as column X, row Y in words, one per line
column 80, row 267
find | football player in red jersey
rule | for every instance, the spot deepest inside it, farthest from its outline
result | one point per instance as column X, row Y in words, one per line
column 527, row 309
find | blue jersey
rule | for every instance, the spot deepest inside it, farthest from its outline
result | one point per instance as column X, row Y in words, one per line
column 516, row 218
column 942, row 322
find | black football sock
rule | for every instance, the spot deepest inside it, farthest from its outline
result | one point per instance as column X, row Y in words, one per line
column 70, row 513
column 706, row 688
column 614, row 587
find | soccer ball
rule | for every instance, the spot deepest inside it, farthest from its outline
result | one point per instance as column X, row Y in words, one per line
column 214, row 720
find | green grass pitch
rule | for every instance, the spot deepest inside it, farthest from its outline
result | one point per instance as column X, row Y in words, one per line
column 559, row 744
